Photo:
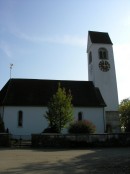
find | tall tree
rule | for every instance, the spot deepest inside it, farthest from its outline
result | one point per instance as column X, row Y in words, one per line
column 60, row 110
column 124, row 110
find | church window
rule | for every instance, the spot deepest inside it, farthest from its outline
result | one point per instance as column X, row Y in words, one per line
column 103, row 54
column 80, row 116
column 90, row 57
column 20, row 119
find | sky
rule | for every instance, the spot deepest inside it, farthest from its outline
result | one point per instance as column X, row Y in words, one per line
column 47, row 39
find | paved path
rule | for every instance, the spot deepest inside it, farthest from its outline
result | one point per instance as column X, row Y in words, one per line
column 89, row 161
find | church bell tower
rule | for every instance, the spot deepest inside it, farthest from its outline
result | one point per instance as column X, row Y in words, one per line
column 101, row 70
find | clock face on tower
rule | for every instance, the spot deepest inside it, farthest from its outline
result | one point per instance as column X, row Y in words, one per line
column 104, row 66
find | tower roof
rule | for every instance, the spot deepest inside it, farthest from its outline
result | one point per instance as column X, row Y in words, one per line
column 99, row 37
column 33, row 92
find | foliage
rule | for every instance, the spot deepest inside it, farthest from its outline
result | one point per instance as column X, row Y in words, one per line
column 50, row 130
column 124, row 110
column 2, row 128
column 81, row 127
column 60, row 110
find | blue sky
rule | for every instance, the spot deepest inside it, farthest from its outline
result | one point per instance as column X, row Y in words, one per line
column 47, row 39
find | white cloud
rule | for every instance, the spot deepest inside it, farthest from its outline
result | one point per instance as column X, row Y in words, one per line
column 5, row 48
column 64, row 39
column 69, row 40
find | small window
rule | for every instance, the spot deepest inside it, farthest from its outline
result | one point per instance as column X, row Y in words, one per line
column 90, row 57
column 103, row 54
column 80, row 116
column 20, row 119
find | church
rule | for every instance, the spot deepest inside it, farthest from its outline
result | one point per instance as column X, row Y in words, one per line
column 23, row 102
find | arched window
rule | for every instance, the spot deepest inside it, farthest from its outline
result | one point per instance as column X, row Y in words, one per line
column 103, row 54
column 20, row 119
column 90, row 57
column 80, row 116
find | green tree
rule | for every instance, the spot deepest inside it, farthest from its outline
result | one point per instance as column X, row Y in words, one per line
column 124, row 110
column 60, row 110
column 2, row 128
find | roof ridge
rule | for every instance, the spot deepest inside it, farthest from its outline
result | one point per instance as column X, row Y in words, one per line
column 50, row 80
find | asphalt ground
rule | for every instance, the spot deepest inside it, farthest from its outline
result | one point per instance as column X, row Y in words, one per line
column 64, row 161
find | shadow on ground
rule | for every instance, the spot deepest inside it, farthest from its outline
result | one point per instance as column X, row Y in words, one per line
column 103, row 161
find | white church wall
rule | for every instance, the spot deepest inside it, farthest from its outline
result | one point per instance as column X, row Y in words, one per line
column 95, row 115
column 89, row 43
column 33, row 120
column 106, row 81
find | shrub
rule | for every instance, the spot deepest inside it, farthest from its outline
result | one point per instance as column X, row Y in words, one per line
column 81, row 127
column 50, row 130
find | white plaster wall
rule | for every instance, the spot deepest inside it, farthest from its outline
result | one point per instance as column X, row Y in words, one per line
column 33, row 120
column 95, row 115
column 106, row 81
column 89, row 43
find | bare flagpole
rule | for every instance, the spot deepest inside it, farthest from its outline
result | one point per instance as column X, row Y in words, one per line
column 11, row 65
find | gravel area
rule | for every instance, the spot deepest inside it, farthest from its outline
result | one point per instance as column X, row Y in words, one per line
column 48, row 161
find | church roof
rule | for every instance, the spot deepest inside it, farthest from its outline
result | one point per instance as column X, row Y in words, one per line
column 99, row 37
column 34, row 92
